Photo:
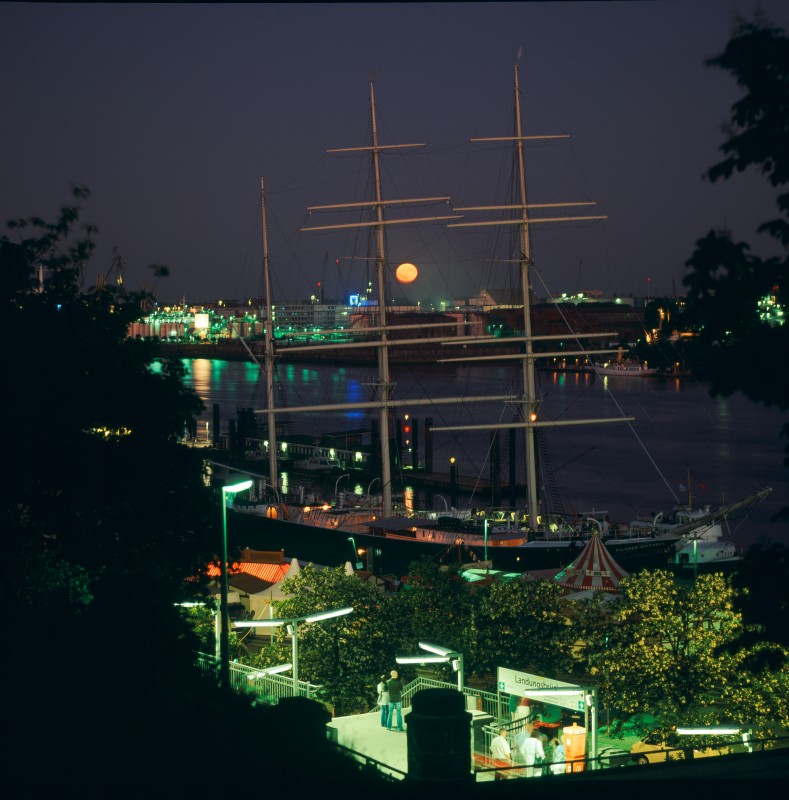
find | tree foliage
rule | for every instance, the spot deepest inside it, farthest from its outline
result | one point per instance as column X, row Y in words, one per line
column 762, row 581
column 672, row 651
column 520, row 625
column 757, row 56
column 106, row 520
column 435, row 605
column 726, row 280
column 344, row 655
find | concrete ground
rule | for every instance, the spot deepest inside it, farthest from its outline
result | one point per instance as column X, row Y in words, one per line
column 363, row 733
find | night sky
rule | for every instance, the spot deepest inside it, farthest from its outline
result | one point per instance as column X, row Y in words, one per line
column 170, row 114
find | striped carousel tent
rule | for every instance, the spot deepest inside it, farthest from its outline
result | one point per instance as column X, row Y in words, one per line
column 594, row 570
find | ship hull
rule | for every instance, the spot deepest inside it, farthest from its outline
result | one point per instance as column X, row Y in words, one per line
column 393, row 555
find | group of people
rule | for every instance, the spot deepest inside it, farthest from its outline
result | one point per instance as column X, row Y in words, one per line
column 390, row 698
column 540, row 754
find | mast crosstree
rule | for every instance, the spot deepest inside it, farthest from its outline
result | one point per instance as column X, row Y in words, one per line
column 529, row 403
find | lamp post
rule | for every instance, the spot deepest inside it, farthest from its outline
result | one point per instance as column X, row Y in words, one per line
column 441, row 655
column 356, row 561
column 337, row 483
column 238, row 484
column 453, row 482
column 273, row 489
column 292, row 624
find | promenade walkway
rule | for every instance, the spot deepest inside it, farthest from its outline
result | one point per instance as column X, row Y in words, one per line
column 363, row 734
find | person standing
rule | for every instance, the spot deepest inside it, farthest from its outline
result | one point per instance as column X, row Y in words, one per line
column 558, row 767
column 531, row 750
column 383, row 701
column 501, row 752
column 395, row 688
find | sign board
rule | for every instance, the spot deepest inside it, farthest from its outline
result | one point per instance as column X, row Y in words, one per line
column 520, row 683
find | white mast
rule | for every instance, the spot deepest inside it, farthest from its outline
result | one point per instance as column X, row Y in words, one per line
column 384, row 388
column 384, row 385
column 529, row 404
column 269, row 354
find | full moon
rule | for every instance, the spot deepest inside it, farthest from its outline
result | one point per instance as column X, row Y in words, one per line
column 406, row 273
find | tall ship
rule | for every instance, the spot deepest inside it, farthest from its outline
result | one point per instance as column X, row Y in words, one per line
column 385, row 532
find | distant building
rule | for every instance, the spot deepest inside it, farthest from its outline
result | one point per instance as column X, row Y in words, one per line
column 497, row 312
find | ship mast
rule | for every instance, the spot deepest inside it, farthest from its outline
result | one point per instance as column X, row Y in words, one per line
column 384, row 386
column 529, row 404
column 269, row 354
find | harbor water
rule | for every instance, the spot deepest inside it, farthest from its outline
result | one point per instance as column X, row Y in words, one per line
column 680, row 437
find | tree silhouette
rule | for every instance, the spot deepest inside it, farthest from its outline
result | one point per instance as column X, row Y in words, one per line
column 726, row 282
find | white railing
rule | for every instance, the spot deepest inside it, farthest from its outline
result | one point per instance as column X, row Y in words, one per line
column 248, row 680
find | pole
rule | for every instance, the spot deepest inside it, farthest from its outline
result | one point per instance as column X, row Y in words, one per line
column 695, row 559
column 294, row 636
column 224, row 638
column 593, row 720
column 271, row 420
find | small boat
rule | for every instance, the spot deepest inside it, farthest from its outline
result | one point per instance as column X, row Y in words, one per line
column 625, row 367
column 319, row 461
column 700, row 556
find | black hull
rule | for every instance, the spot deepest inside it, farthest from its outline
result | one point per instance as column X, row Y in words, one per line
column 393, row 556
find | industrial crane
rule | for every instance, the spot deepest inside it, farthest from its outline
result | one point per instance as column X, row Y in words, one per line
column 117, row 264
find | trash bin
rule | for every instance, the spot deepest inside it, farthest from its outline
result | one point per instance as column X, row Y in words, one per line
column 574, row 740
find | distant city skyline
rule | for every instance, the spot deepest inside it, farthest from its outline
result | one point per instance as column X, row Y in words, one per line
column 171, row 114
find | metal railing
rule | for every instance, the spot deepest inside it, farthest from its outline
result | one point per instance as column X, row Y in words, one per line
column 483, row 701
column 269, row 689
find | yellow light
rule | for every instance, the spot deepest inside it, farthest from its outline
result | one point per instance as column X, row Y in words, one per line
column 406, row 273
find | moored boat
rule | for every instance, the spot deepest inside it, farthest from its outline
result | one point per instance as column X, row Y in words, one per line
column 700, row 557
column 628, row 368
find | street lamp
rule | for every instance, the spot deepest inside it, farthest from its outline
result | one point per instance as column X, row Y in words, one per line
column 270, row 671
column 273, row 489
column 442, row 655
column 337, row 483
column 359, row 564
column 236, row 484
column 712, row 730
column 292, row 624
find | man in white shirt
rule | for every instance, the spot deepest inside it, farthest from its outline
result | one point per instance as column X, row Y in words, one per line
column 500, row 751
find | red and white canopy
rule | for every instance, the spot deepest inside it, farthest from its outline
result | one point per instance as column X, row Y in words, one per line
column 595, row 568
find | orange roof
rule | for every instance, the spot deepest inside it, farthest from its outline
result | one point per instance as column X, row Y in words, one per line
column 271, row 573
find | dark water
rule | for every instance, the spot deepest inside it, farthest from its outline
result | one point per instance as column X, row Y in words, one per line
column 730, row 447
